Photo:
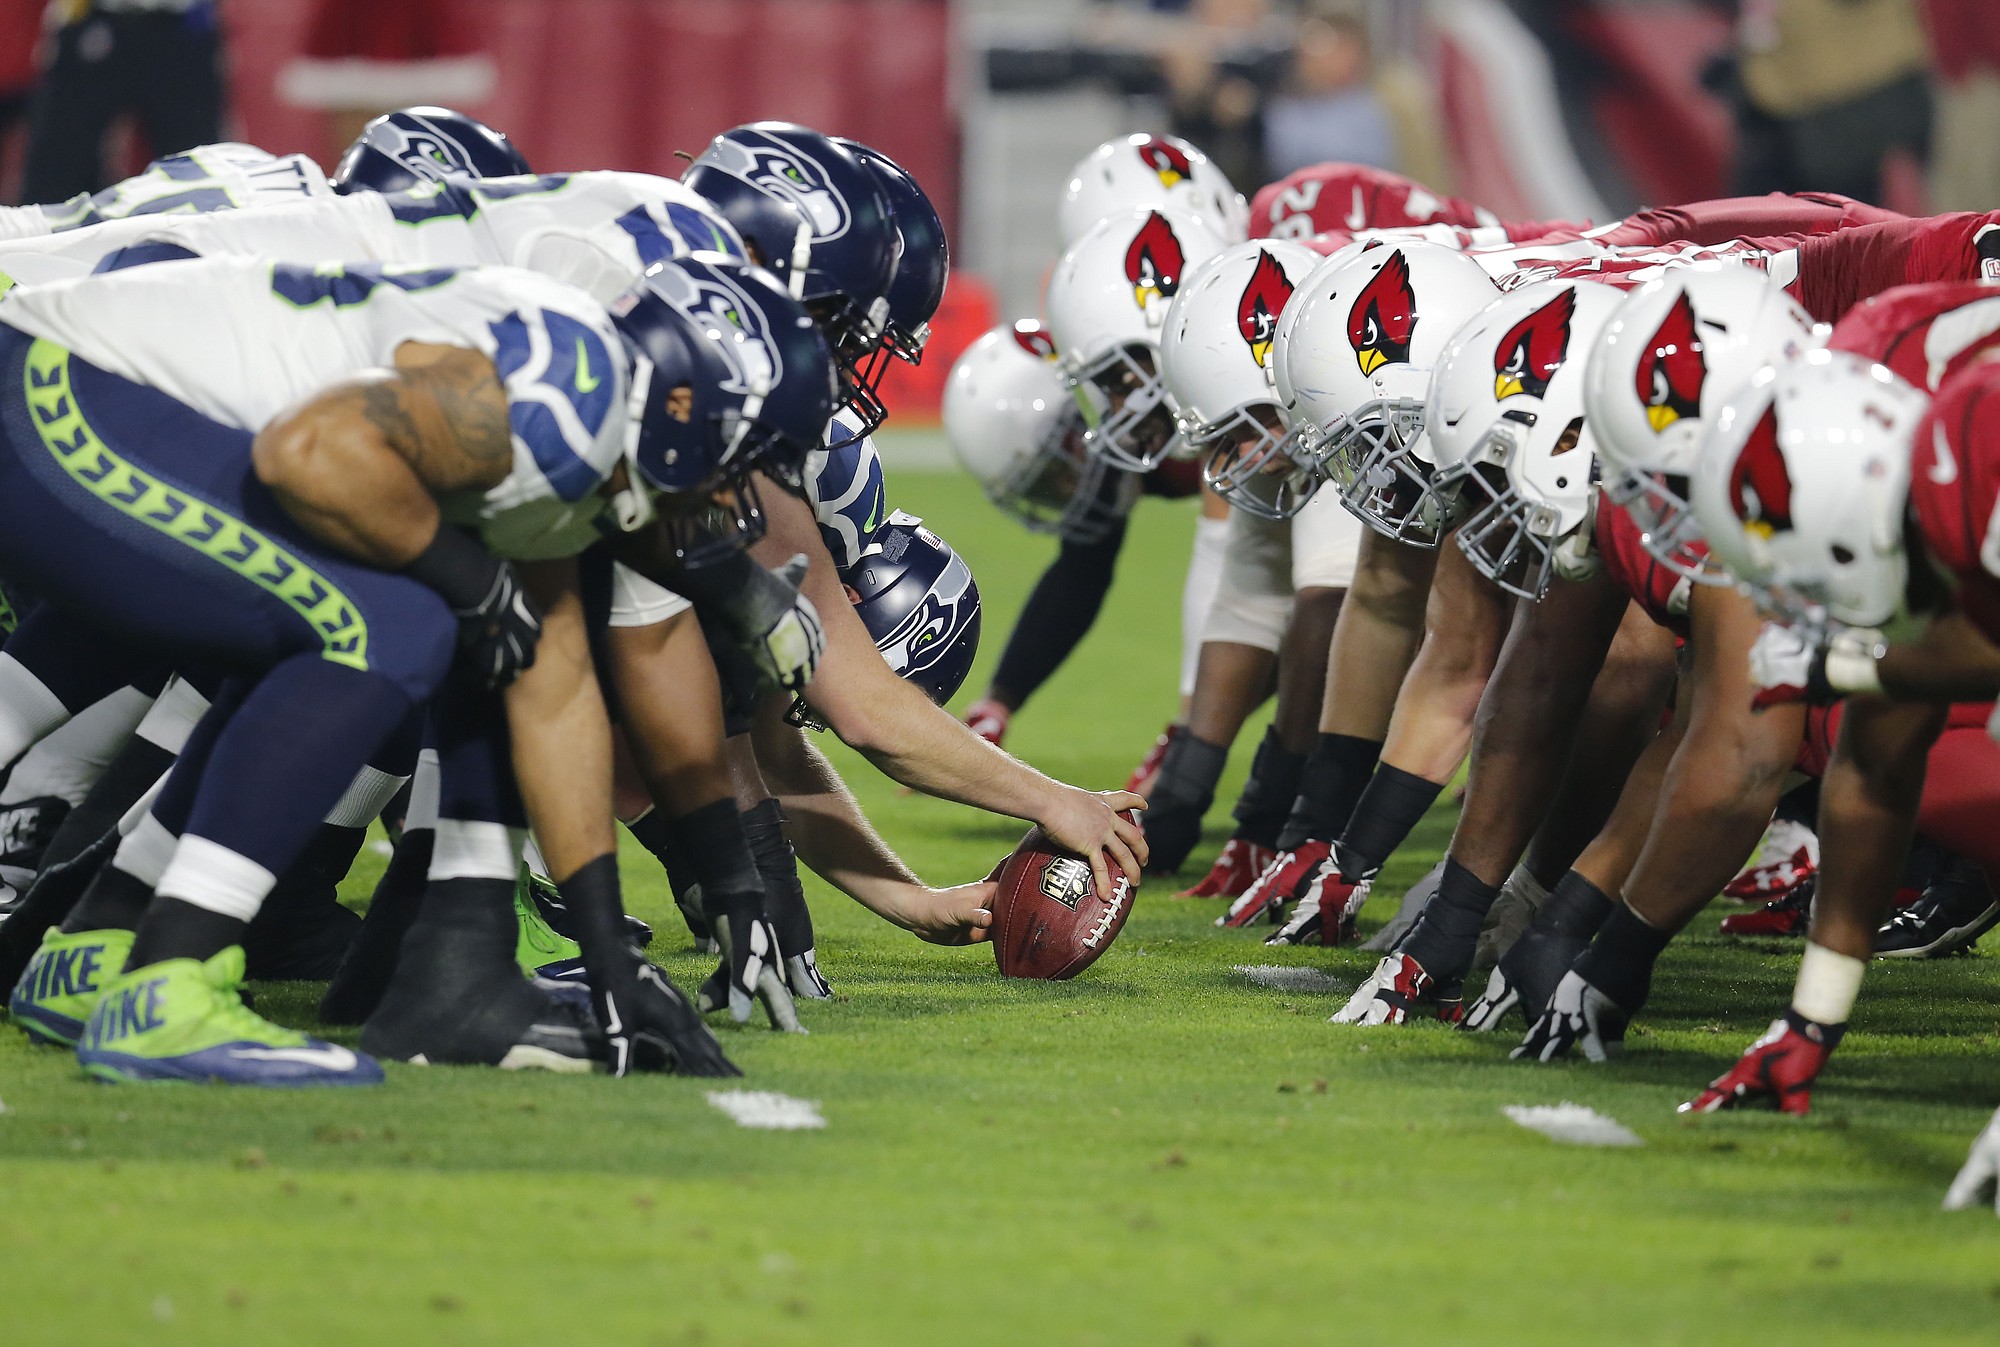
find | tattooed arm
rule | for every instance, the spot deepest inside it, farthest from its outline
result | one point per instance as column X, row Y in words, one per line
column 361, row 463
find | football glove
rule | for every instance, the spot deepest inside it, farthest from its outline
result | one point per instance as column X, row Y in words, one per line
column 752, row 971
column 1235, row 870
column 649, row 1026
column 1325, row 915
column 1579, row 1018
column 1389, row 994
column 1980, row 1174
column 1283, row 880
column 497, row 623
column 1778, row 1069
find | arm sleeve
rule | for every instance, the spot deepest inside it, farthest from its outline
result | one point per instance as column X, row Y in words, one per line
column 1062, row 607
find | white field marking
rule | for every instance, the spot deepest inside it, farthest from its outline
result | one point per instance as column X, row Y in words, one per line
column 772, row 1112
column 1573, row 1124
column 1292, row 978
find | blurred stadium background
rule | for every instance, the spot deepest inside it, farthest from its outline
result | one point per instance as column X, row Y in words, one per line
column 1534, row 108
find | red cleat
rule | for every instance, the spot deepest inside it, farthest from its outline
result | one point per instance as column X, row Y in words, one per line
column 1784, row 916
column 1283, row 881
column 988, row 719
column 1143, row 776
column 1787, row 858
column 1235, row 870
column 1778, row 1069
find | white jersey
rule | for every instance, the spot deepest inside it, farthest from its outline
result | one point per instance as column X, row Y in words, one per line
column 597, row 231
column 240, row 341
column 208, row 178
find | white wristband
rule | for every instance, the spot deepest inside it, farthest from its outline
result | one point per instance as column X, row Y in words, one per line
column 1827, row 985
column 1853, row 670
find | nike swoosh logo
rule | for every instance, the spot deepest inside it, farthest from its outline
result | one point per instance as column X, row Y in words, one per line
column 1357, row 217
column 333, row 1059
column 586, row 382
column 1944, row 470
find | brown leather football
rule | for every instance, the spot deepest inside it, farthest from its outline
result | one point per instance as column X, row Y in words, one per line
column 1049, row 921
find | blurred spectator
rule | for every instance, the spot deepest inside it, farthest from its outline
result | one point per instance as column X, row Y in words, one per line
column 1219, row 65
column 367, row 57
column 160, row 60
column 1828, row 89
column 1965, row 152
column 1329, row 108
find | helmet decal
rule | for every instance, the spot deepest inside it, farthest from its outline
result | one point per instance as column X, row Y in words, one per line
column 1672, row 368
column 1384, row 317
column 1760, row 486
column 715, row 304
column 1534, row 349
column 1033, row 338
column 1154, row 261
column 1167, row 160
column 1263, row 300
column 775, row 167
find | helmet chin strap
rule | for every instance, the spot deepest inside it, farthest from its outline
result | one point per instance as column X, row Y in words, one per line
column 802, row 247
column 632, row 507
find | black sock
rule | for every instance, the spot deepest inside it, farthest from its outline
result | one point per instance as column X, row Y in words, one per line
column 370, row 961
column 1331, row 783
column 1392, row 805
column 172, row 929
column 1576, row 907
column 115, row 901
column 1266, row 802
column 1447, row 931
column 778, row 868
column 1620, row 960
column 1189, row 770
column 1800, row 804
column 1827, row 1035
column 457, row 995
column 711, row 842
column 654, row 831
column 302, row 932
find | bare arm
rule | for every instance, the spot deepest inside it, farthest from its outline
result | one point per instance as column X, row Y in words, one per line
column 837, row 841
column 921, row 745
column 360, row 464
column 561, row 734
column 1950, row 662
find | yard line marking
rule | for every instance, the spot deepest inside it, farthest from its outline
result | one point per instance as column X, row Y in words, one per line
column 1573, row 1124
column 1292, row 978
column 767, row 1110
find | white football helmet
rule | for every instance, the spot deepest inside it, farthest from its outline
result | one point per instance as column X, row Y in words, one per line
column 1107, row 305
column 1674, row 350
column 1356, row 348
column 1216, row 355
column 1518, row 455
column 1150, row 170
column 1801, row 486
column 1016, row 426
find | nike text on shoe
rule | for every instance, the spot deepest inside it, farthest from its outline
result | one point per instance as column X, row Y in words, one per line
column 185, row 1021
column 64, row 980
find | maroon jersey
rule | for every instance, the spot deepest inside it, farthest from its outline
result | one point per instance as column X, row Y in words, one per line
column 1633, row 569
column 1741, row 217
column 1926, row 333
column 1354, row 197
column 1834, row 272
column 1955, row 486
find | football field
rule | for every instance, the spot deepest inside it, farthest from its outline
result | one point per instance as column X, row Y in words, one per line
column 1174, row 1150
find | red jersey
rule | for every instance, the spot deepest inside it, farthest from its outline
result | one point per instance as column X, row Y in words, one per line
column 1926, row 333
column 1955, row 487
column 1663, row 594
column 1834, row 272
column 1740, row 217
column 1354, row 197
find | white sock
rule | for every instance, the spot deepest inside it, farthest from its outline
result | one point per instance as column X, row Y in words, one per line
column 209, row 875
column 28, row 710
column 1827, row 986
column 1204, row 574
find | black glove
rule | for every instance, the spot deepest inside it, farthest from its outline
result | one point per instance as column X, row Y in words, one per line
column 763, row 614
column 497, row 624
column 752, row 968
column 648, row 1024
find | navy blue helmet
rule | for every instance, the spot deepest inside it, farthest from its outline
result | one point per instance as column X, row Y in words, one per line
column 925, row 261
column 920, row 604
column 815, row 216
column 736, row 378
column 412, row 146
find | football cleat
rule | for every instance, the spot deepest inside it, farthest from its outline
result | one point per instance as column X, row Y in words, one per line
column 1579, row 1018
column 1778, row 1069
column 541, row 950
column 1148, row 770
column 185, row 1020
column 1389, row 995
column 1284, row 880
column 1235, row 870
column 1786, row 858
column 64, row 981
column 1325, row 916
column 1953, row 913
column 1979, row 1177
column 988, row 719
column 1786, row 916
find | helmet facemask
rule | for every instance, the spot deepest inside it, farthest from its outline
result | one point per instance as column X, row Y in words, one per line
column 1371, row 457
column 1061, row 487
column 1508, row 538
column 1251, row 465
column 1137, row 431
column 1668, row 530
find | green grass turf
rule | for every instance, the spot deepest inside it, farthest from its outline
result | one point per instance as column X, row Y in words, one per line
column 1158, row 1153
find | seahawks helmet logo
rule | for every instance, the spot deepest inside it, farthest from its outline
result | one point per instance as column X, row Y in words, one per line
column 924, row 635
column 772, row 166
column 424, row 148
column 736, row 323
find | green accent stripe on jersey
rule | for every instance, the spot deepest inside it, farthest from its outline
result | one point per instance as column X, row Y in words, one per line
column 184, row 518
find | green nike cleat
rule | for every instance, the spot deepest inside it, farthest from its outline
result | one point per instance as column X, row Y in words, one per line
column 184, row 1020
column 541, row 949
column 64, row 981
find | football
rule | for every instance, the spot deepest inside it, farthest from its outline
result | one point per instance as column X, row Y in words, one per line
column 1049, row 921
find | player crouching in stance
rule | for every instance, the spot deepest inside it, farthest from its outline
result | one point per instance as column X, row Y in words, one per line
column 326, row 514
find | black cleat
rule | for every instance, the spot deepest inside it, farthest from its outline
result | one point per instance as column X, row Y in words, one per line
column 1955, row 910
